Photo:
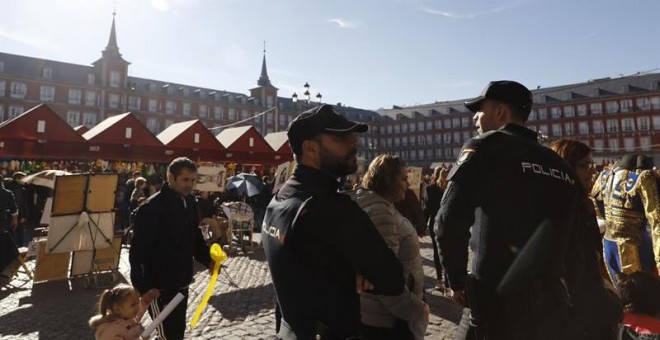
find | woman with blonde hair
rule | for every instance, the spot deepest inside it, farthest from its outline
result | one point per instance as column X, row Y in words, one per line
column 404, row 316
column 434, row 192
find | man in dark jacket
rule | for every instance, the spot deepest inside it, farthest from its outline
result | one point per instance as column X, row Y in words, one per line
column 504, row 185
column 319, row 242
column 166, row 237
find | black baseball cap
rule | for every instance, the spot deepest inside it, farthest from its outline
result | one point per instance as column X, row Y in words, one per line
column 506, row 91
column 321, row 119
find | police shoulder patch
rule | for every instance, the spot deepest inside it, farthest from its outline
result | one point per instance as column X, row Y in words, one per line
column 465, row 155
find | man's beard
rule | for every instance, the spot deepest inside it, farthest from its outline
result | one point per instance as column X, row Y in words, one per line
column 338, row 166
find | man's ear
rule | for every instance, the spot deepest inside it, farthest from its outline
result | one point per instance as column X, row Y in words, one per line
column 310, row 147
column 170, row 177
column 503, row 113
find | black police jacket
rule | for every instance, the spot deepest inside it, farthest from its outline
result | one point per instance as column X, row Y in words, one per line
column 166, row 236
column 504, row 184
column 316, row 240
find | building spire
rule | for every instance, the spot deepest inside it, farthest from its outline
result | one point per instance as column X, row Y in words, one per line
column 112, row 50
column 263, row 79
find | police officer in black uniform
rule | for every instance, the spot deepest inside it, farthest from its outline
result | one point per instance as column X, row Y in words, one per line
column 318, row 242
column 504, row 185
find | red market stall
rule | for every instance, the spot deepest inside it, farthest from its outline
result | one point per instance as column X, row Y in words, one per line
column 39, row 133
column 81, row 129
column 193, row 140
column 245, row 145
column 123, row 137
column 279, row 141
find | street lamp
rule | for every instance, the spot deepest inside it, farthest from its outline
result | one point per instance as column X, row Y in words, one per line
column 306, row 95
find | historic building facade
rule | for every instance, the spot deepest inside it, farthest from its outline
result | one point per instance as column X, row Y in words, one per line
column 614, row 116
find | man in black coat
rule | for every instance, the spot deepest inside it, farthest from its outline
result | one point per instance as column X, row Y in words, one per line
column 166, row 237
column 504, row 185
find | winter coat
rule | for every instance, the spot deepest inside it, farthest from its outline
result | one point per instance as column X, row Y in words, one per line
column 401, row 237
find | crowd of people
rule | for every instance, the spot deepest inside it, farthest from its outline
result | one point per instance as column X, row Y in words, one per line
column 559, row 250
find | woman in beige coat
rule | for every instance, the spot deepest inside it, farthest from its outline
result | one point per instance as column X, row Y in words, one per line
column 404, row 316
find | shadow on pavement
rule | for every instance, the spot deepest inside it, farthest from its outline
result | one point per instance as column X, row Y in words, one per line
column 238, row 304
column 445, row 308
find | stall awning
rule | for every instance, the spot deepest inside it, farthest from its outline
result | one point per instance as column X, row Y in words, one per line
column 39, row 133
column 193, row 140
column 244, row 144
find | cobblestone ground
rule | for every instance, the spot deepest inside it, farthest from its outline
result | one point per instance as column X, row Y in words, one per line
column 240, row 308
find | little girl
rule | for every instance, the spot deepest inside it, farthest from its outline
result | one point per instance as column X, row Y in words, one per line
column 120, row 312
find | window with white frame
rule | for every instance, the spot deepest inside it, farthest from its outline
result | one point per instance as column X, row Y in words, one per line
column 556, row 130
column 421, row 154
column 90, row 98
column 404, row 141
column 412, row 140
column 14, row 111
column 91, row 78
column 465, row 122
column 396, row 128
column 153, row 105
column 446, row 123
column 643, row 104
column 245, row 114
column 47, row 73
column 612, row 125
column 598, row 126
column 612, row 106
column 447, row 137
column 627, row 124
column 269, row 117
column 404, row 128
column 655, row 102
column 170, row 107
column 455, row 122
column 186, row 109
column 282, row 120
column 543, row 113
column 429, row 125
column 569, row 111
column 231, row 114
column 47, row 93
column 532, row 116
column 645, row 143
column 420, row 126
column 269, row 101
column 18, row 90
column 218, row 112
column 437, row 138
column 75, row 96
column 643, row 123
column 656, row 122
column 412, row 127
column 568, row 129
column 583, row 128
column 437, row 124
column 114, row 79
column 113, row 101
column 555, row 112
column 203, row 111
column 429, row 138
column 397, row 141
column 626, row 105
column 389, row 129
column 582, row 110
column 629, row 143
column 598, row 145
column 413, row 155
column 152, row 125
column 457, row 137
column 73, row 118
column 596, row 108
column 134, row 102
column 89, row 119
column 2, row 88
column 613, row 144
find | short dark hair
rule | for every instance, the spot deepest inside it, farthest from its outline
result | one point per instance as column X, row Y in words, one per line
column 518, row 113
column 382, row 174
column 180, row 163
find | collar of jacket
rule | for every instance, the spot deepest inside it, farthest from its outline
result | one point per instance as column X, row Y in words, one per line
column 520, row 130
column 169, row 192
column 314, row 177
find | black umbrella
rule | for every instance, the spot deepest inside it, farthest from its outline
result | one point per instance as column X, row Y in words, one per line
column 245, row 184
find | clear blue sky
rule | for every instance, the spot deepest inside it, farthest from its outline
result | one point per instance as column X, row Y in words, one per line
column 366, row 53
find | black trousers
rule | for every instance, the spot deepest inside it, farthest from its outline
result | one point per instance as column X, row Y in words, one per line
column 174, row 326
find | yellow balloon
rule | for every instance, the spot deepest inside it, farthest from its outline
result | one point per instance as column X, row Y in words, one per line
column 218, row 256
